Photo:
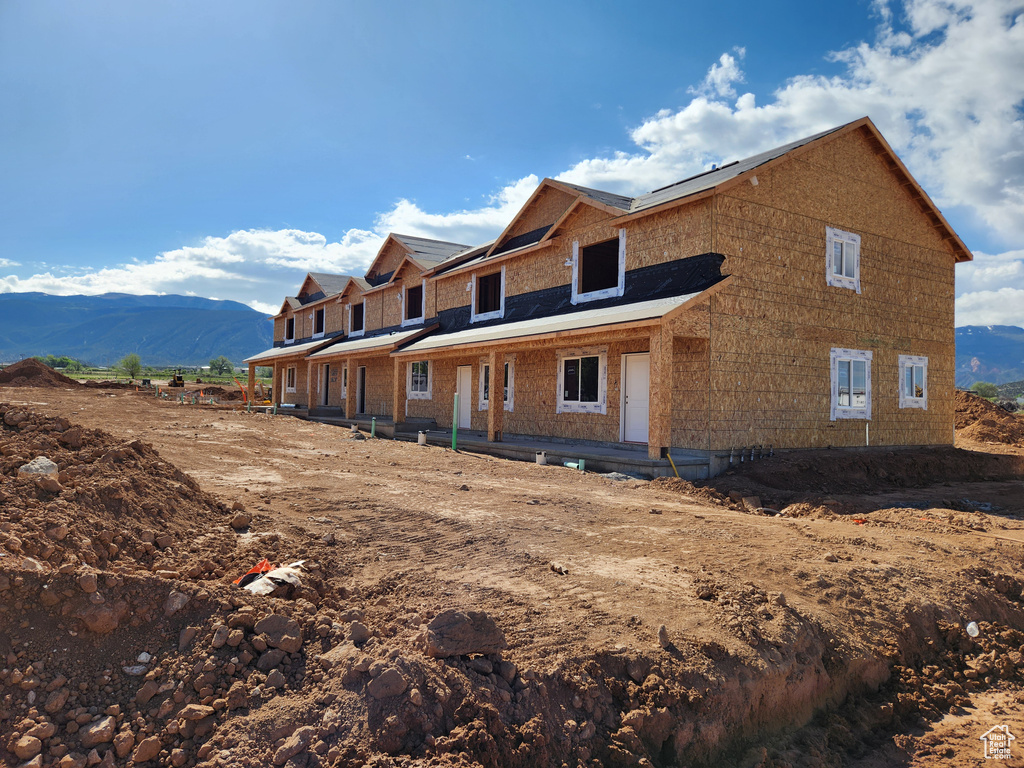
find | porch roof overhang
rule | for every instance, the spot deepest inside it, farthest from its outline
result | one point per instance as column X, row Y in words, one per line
column 374, row 344
column 289, row 351
column 636, row 315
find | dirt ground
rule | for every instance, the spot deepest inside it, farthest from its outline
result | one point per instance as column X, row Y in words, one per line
column 644, row 623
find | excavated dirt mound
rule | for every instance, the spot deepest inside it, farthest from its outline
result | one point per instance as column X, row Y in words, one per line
column 984, row 422
column 123, row 641
column 33, row 373
column 222, row 393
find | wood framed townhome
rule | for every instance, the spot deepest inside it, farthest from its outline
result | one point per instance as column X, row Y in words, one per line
column 799, row 298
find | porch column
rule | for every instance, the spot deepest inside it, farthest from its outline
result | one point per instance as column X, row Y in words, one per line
column 398, row 394
column 350, row 391
column 660, row 414
column 311, row 400
column 496, row 402
column 252, row 383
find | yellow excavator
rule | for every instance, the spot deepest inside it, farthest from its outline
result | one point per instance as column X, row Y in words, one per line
column 176, row 380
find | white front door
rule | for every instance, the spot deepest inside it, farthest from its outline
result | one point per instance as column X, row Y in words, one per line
column 636, row 397
column 465, row 390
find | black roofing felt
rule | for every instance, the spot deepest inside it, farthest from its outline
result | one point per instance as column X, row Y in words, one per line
column 520, row 241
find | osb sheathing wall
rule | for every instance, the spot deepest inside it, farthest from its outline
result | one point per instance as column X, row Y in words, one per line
column 772, row 329
column 379, row 390
column 388, row 260
column 440, row 406
column 334, row 373
column 299, row 396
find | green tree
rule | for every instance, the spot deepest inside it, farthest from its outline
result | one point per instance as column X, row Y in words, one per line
column 131, row 365
column 221, row 366
column 985, row 389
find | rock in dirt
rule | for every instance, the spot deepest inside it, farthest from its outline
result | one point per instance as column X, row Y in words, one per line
column 663, row 640
column 98, row 732
column 147, row 750
column 388, row 683
column 39, row 466
column 281, row 632
column 454, row 633
column 241, row 520
column 27, row 747
column 195, row 712
column 174, row 603
column 295, row 744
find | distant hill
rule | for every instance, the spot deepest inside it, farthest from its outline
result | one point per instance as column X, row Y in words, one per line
column 992, row 353
column 162, row 330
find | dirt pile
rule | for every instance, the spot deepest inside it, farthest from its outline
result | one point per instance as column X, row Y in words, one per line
column 33, row 373
column 419, row 638
column 223, row 394
column 979, row 420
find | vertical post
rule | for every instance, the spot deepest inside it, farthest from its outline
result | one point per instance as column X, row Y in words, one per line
column 455, row 422
column 251, row 394
column 496, row 398
column 660, row 414
column 398, row 401
column 351, row 387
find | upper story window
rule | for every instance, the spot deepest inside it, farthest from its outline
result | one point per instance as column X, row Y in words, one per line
column 318, row 322
column 414, row 305
column 488, row 297
column 599, row 270
column 582, row 381
column 842, row 258
column 289, row 330
column 913, row 381
column 851, row 384
column 355, row 319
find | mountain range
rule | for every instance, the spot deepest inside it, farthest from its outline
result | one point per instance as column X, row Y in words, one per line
column 164, row 330
column 993, row 353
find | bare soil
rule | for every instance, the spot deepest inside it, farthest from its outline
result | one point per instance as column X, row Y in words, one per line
column 832, row 634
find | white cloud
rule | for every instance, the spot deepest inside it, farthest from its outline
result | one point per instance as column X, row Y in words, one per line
column 472, row 227
column 8, row 263
column 256, row 267
column 999, row 307
column 946, row 91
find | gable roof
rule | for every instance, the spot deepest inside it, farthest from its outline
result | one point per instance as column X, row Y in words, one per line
column 740, row 170
column 428, row 251
column 331, row 284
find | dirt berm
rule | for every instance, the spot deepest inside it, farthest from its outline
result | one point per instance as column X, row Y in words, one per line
column 458, row 610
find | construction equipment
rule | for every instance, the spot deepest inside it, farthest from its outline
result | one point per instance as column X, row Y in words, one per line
column 176, row 380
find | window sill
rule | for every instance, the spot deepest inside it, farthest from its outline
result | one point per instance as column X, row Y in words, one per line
column 606, row 293
column 915, row 402
column 290, row 390
column 356, row 334
column 412, row 321
column 852, row 413
column 580, row 408
column 318, row 335
column 289, row 341
column 495, row 315
column 418, row 395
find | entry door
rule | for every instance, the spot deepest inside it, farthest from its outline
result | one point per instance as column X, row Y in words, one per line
column 636, row 397
column 361, row 389
column 326, row 368
column 465, row 390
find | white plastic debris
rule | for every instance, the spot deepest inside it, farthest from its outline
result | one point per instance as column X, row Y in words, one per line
column 286, row 575
column 144, row 658
column 972, row 629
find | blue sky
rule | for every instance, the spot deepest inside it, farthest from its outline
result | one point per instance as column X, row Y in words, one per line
column 224, row 149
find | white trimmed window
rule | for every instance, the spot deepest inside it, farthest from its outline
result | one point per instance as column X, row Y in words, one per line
column 599, row 270
column 913, row 381
column 582, row 381
column 488, row 299
column 414, row 304
column 289, row 379
column 289, row 330
column 344, row 380
column 485, row 385
column 418, row 380
column 355, row 319
column 851, row 384
column 318, row 323
column 842, row 257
